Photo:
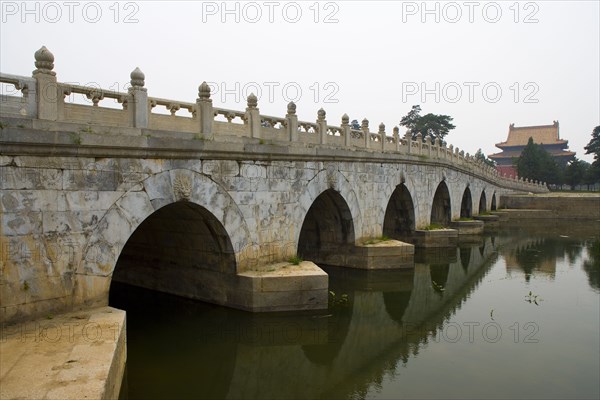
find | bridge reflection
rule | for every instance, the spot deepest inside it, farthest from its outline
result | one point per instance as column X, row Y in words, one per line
column 217, row 352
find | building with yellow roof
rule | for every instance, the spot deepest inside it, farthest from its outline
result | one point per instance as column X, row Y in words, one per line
column 518, row 136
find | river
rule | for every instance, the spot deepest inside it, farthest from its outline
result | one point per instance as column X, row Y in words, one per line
column 514, row 313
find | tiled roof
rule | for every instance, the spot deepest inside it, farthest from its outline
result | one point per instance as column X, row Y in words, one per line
column 517, row 153
column 541, row 134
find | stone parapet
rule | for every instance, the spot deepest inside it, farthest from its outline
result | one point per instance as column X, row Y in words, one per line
column 96, row 123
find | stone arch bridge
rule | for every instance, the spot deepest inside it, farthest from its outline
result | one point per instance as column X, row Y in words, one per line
column 206, row 202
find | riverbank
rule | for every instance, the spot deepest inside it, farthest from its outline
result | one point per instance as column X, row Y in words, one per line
column 79, row 355
column 554, row 205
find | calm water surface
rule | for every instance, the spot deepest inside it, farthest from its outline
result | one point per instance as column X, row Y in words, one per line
column 513, row 314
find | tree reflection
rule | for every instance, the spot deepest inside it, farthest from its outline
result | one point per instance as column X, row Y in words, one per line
column 539, row 256
column 591, row 266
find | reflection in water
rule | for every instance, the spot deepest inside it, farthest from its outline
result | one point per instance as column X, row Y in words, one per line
column 592, row 265
column 404, row 333
column 540, row 254
column 439, row 276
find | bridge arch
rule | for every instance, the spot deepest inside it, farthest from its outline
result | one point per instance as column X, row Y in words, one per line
column 493, row 206
column 331, row 180
column 441, row 206
column 399, row 219
column 175, row 250
column 482, row 203
column 466, row 204
column 183, row 194
column 327, row 228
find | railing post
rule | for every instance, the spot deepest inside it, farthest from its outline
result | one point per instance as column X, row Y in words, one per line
column 382, row 135
column 397, row 138
column 365, row 128
column 46, row 85
column 408, row 138
column 138, row 99
column 292, row 122
column 253, row 116
column 322, row 124
column 429, row 143
column 204, row 111
column 420, row 143
column 346, row 129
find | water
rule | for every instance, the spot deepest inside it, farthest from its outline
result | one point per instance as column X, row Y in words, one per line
column 514, row 314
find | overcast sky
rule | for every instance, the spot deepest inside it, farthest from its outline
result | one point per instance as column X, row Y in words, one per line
column 486, row 64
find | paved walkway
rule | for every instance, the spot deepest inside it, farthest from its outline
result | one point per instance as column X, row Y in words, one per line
column 78, row 355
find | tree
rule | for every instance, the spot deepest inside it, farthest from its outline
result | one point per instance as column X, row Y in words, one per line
column 593, row 175
column 593, row 147
column 432, row 125
column 535, row 163
column 481, row 157
column 576, row 172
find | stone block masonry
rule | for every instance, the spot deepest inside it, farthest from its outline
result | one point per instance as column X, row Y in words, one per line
column 202, row 196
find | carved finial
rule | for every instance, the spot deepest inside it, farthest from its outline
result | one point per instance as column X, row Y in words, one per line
column 291, row 109
column 345, row 119
column 137, row 77
column 204, row 91
column 321, row 114
column 44, row 61
column 252, row 101
column 382, row 128
column 365, row 124
column 396, row 131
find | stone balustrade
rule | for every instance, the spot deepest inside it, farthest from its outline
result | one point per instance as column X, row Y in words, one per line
column 43, row 97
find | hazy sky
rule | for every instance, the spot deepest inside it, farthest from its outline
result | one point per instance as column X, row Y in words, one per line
column 486, row 64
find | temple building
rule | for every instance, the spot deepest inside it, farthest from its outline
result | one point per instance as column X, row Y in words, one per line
column 546, row 135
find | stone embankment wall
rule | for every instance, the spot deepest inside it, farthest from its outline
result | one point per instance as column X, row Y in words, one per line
column 565, row 206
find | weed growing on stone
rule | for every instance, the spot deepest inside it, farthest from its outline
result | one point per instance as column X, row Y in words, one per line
column 75, row 138
column 382, row 238
column 434, row 227
column 295, row 260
